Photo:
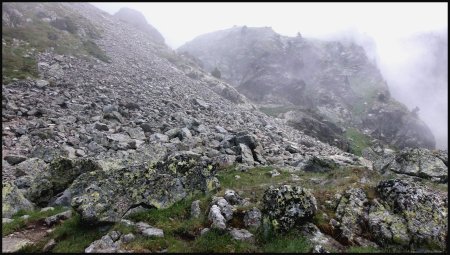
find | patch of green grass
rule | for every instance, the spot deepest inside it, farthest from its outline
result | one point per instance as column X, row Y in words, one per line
column 19, row 59
column 124, row 229
column 358, row 141
column 367, row 91
column 323, row 223
column 289, row 242
column 175, row 220
column 18, row 223
column 93, row 49
column 72, row 236
column 253, row 181
column 276, row 111
column 17, row 62
column 179, row 228
column 360, row 249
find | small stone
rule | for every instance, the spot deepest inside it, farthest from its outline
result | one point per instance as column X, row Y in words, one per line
column 50, row 245
column 24, row 217
column 204, row 231
column 150, row 232
column 42, row 83
column 274, row 173
column 127, row 238
column 221, row 129
column 252, row 218
column 115, row 235
column 185, row 133
column 7, row 220
column 128, row 223
column 14, row 159
column 195, row 209
column 232, row 197
column 146, row 127
column 237, row 177
column 159, row 137
column 225, row 208
column 80, row 153
column 101, row 127
column 319, row 249
column 295, row 177
column 47, row 209
column 50, row 221
column 218, row 221
column 241, row 234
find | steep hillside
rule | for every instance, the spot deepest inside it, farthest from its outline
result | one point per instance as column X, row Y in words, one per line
column 135, row 148
column 304, row 81
column 138, row 20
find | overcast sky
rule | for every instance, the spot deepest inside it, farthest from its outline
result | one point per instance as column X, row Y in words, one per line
column 388, row 24
column 181, row 22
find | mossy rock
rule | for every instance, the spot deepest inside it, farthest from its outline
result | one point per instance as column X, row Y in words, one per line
column 287, row 206
column 13, row 200
column 102, row 197
column 60, row 174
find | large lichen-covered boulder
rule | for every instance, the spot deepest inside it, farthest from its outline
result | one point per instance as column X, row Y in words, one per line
column 13, row 200
column 249, row 147
column 287, row 206
column 351, row 213
column 106, row 196
column 386, row 226
column 417, row 216
column 417, row 162
column 31, row 167
column 60, row 174
column 320, row 164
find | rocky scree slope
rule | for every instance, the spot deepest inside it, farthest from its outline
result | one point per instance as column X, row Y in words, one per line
column 138, row 20
column 320, row 87
column 134, row 110
column 145, row 127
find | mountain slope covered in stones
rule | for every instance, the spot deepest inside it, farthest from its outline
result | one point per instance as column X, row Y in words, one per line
column 320, row 87
column 113, row 142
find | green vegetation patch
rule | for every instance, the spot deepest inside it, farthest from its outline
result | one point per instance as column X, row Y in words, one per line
column 18, row 62
column 72, row 236
column 19, row 223
column 93, row 49
column 290, row 243
column 21, row 44
column 361, row 249
column 271, row 241
column 358, row 141
column 175, row 220
column 253, row 181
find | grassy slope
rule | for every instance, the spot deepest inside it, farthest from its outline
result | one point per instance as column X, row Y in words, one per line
column 19, row 57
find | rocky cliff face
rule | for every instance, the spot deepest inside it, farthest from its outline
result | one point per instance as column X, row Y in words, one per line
column 335, row 80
